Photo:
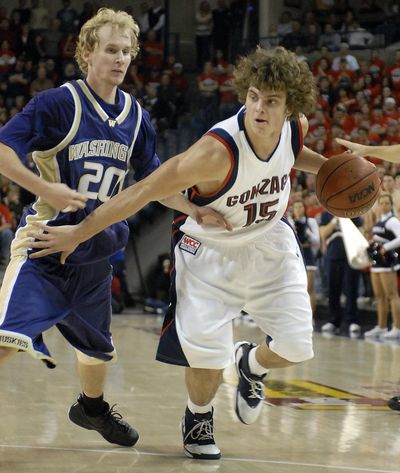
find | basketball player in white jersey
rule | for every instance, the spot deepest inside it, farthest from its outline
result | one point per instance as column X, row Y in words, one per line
column 240, row 168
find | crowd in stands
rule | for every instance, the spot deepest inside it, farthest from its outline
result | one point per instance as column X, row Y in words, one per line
column 360, row 24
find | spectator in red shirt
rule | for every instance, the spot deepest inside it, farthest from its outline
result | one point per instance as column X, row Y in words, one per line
column 392, row 132
column 134, row 81
column 326, row 94
column 376, row 64
column 228, row 104
column 7, row 59
column 323, row 69
column 313, row 207
column 168, row 66
column 323, row 56
column 393, row 71
column 219, row 63
column 345, row 98
column 372, row 88
column 342, row 118
column 178, row 78
column 377, row 117
column 343, row 76
column 181, row 84
column 7, row 33
column 208, row 81
column 152, row 52
column 68, row 46
column 390, row 108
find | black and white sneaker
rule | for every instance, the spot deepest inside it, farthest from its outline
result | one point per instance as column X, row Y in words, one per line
column 110, row 424
column 394, row 403
column 250, row 390
column 198, row 436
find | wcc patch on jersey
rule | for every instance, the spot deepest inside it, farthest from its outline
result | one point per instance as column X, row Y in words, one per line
column 189, row 244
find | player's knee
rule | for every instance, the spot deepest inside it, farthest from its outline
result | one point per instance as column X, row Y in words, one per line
column 294, row 352
column 7, row 352
column 88, row 360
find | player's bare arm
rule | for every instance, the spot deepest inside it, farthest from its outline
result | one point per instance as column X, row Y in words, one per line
column 202, row 215
column 308, row 160
column 57, row 195
column 387, row 153
column 204, row 165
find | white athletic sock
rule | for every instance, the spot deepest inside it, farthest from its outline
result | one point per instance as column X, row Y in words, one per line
column 254, row 365
column 195, row 409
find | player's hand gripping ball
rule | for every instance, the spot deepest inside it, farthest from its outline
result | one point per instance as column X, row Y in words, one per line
column 347, row 185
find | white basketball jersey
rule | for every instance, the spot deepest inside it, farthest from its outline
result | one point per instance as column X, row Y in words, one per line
column 255, row 194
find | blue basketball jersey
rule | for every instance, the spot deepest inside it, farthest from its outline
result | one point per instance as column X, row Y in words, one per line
column 78, row 139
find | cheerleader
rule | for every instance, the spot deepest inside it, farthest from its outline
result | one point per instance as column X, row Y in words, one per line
column 385, row 263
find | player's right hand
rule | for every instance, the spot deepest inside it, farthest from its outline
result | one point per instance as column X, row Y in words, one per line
column 61, row 197
column 355, row 148
column 49, row 240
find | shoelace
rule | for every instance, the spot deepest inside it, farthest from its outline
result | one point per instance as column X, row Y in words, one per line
column 116, row 417
column 202, row 430
column 256, row 387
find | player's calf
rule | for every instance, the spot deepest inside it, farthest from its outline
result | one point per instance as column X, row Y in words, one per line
column 6, row 353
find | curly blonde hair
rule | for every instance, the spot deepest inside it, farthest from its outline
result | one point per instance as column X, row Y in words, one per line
column 277, row 69
column 88, row 37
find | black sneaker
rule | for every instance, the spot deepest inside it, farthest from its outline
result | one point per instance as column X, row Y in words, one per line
column 394, row 403
column 250, row 390
column 110, row 424
column 198, row 436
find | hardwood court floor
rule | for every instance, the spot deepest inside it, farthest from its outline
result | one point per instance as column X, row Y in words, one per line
column 328, row 415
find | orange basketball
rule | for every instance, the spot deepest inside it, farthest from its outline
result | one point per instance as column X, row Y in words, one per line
column 347, row 185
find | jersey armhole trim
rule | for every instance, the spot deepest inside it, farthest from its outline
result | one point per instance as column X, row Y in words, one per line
column 137, row 128
column 127, row 106
column 297, row 140
column 72, row 131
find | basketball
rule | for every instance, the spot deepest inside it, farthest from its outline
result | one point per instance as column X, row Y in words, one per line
column 347, row 185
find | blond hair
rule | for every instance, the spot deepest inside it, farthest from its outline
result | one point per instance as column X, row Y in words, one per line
column 88, row 36
column 277, row 69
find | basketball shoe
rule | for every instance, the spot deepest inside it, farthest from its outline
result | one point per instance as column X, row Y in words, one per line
column 250, row 390
column 394, row 403
column 198, row 436
column 109, row 424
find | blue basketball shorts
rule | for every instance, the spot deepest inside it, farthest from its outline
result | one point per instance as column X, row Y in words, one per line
column 38, row 294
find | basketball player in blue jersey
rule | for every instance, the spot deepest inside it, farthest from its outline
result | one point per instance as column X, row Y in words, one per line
column 240, row 168
column 83, row 135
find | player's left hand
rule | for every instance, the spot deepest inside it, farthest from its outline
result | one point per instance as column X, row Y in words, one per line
column 50, row 240
column 208, row 216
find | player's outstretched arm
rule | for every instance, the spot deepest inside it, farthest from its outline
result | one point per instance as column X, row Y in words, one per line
column 308, row 160
column 57, row 195
column 205, row 161
column 387, row 153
